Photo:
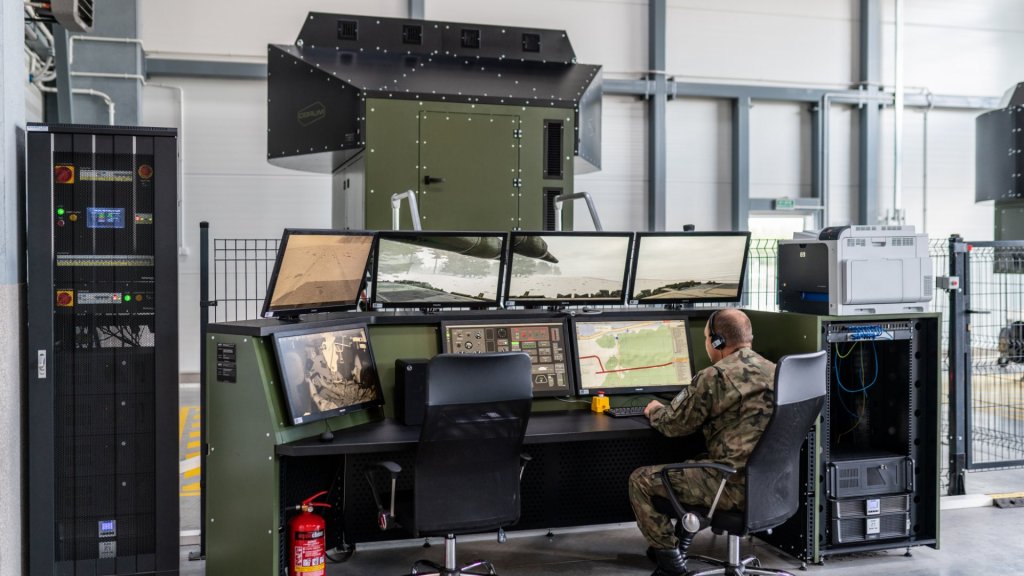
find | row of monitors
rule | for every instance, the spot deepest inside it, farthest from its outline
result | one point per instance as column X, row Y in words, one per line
column 331, row 372
column 325, row 270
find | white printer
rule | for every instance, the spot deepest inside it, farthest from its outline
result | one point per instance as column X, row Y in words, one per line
column 847, row 270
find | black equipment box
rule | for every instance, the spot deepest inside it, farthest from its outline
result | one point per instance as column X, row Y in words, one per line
column 870, row 476
column 410, row 390
column 103, row 341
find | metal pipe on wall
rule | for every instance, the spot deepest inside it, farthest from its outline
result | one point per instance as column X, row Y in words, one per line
column 896, row 213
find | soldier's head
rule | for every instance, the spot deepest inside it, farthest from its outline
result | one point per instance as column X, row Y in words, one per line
column 727, row 331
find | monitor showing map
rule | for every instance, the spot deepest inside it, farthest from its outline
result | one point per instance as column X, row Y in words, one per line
column 438, row 269
column 632, row 355
column 326, row 372
column 318, row 271
column 568, row 268
column 688, row 267
column 543, row 339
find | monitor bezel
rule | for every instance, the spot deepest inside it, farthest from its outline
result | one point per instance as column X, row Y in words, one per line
column 294, row 311
column 627, row 317
column 519, row 321
column 540, row 302
column 287, row 400
column 634, row 264
column 474, row 305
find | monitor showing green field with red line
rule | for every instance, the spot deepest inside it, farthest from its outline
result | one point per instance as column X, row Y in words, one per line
column 621, row 355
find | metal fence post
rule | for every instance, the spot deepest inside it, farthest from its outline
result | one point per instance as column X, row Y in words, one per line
column 959, row 364
column 204, row 320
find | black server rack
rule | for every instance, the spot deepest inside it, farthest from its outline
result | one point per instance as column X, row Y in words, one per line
column 872, row 464
column 102, row 335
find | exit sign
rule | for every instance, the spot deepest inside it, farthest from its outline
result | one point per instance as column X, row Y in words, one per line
column 785, row 204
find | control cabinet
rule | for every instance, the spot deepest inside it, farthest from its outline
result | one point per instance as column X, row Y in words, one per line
column 102, row 336
column 872, row 463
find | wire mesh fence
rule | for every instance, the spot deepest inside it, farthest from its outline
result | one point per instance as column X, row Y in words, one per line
column 995, row 423
column 241, row 271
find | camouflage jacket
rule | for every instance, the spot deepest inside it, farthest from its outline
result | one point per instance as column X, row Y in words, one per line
column 730, row 402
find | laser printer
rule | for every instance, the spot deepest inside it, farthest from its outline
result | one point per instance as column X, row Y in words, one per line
column 846, row 270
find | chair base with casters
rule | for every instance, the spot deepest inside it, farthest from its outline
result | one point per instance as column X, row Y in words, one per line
column 733, row 565
column 450, row 568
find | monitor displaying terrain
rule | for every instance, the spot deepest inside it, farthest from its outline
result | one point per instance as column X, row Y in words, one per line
column 438, row 269
column 568, row 267
column 318, row 271
column 688, row 267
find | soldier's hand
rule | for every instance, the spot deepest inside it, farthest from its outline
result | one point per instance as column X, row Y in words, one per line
column 652, row 407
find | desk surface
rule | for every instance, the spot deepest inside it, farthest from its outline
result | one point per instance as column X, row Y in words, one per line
column 390, row 436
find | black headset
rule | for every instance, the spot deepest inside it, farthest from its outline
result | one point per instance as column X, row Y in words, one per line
column 717, row 340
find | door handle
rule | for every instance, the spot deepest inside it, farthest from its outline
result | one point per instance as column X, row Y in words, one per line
column 428, row 180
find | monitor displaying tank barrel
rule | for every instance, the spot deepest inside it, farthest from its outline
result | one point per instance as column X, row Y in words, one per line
column 438, row 269
column 568, row 268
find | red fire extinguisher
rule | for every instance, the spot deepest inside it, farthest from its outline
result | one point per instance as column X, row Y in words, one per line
column 307, row 539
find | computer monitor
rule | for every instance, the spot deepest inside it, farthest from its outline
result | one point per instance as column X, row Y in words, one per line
column 318, row 271
column 567, row 268
column 438, row 269
column 632, row 354
column 326, row 372
column 543, row 339
column 688, row 267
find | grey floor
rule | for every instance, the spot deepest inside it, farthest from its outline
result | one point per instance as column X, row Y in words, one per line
column 973, row 541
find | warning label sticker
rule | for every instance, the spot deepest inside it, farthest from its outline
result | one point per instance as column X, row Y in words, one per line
column 94, row 175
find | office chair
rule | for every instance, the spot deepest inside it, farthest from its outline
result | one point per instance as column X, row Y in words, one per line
column 468, row 461
column 773, row 469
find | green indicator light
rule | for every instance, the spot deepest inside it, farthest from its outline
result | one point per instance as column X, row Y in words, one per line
column 60, row 211
column 127, row 297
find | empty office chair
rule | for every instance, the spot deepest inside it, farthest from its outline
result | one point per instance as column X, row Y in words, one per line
column 773, row 469
column 468, row 461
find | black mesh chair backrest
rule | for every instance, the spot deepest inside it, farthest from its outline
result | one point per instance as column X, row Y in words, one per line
column 467, row 461
column 773, row 469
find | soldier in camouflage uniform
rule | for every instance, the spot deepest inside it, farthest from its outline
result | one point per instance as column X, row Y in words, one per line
column 730, row 402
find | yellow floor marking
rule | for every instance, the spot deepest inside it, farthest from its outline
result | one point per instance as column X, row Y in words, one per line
column 191, row 473
column 193, row 487
column 194, row 434
column 182, row 416
column 1008, row 495
column 191, row 455
column 193, row 444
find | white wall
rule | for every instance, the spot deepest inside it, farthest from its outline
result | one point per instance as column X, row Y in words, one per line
column 951, row 47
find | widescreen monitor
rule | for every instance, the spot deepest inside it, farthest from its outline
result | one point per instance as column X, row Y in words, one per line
column 326, row 372
column 632, row 354
column 567, row 268
column 438, row 269
column 688, row 267
column 543, row 339
column 318, row 271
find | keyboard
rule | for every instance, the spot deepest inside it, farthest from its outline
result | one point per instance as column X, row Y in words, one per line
column 625, row 411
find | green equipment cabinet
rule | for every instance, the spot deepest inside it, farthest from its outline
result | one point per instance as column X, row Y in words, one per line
column 872, row 463
column 482, row 124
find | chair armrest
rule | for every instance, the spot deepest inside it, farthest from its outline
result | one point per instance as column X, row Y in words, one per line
column 390, row 466
column 385, row 517
column 680, row 511
column 524, row 459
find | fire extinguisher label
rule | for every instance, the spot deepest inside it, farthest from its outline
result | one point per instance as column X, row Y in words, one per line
column 310, row 556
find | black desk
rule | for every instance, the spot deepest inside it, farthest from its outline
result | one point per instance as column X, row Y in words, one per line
column 543, row 428
column 578, row 475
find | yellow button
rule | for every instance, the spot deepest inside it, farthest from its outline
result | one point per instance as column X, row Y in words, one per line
column 73, row 217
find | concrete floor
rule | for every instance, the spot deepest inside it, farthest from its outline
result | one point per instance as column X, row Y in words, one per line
column 974, row 541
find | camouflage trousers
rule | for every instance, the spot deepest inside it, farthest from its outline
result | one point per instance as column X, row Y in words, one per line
column 693, row 487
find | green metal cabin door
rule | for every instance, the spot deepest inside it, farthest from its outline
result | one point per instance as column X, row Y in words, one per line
column 468, row 171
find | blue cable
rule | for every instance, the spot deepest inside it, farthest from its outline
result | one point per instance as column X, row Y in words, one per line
column 835, row 368
column 866, row 386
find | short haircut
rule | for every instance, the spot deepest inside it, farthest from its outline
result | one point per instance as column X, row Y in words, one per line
column 733, row 325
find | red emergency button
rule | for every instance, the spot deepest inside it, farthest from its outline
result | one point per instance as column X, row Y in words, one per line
column 65, row 298
column 64, row 174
